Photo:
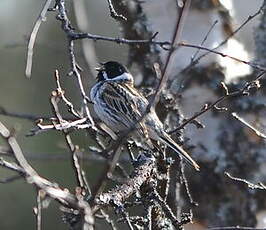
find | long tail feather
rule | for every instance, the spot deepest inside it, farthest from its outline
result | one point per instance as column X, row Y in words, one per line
column 166, row 139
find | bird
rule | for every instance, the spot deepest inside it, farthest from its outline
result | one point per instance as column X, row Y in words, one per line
column 121, row 106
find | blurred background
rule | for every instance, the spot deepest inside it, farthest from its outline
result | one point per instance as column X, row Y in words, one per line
column 47, row 151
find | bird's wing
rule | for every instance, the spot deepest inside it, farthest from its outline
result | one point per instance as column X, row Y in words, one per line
column 123, row 102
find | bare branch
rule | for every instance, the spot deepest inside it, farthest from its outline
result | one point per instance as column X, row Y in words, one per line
column 250, row 17
column 235, row 228
column 50, row 189
column 249, row 184
column 61, row 93
column 258, row 133
column 67, row 28
column 33, row 35
column 108, row 220
column 186, row 185
column 253, row 65
column 242, row 92
column 203, row 41
column 142, row 172
column 38, row 210
column 168, row 212
column 83, row 23
column 12, row 166
column 82, row 183
column 30, row 117
column 64, row 125
column 176, row 36
column 10, row 179
column 113, row 13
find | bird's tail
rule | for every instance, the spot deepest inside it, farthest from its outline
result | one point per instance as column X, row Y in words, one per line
column 166, row 139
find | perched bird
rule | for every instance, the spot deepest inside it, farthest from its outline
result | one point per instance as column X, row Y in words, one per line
column 120, row 106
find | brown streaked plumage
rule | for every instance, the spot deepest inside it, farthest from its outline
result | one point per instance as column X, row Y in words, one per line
column 120, row 106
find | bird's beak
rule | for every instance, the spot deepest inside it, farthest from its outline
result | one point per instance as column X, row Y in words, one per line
column 100, row 68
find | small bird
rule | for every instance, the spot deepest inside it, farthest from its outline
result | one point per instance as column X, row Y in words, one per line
column 120, row 106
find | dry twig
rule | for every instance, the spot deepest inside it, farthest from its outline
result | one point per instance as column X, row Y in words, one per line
column 33, row 36
column 241, row 92
column 50, row 189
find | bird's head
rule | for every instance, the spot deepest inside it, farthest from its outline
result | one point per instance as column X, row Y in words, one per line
column 113, row 71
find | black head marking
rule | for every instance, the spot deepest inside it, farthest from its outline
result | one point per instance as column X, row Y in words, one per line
column 110, row 70
column 100, row 76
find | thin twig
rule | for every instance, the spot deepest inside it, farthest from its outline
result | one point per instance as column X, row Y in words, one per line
column 165, row 72
column 108, row 220
column 166, row 45
column 12, row 166
column 114, row 14
column 10, row 179
column 33, row 35
column 126, row 217
column 80, row 84
column 203, row 41
column 39, row 211
column 64, row 125
column 249, row 184
column 81, row 179
column 149, row 217
column 250, row 17
column 50, row 189
column 83, row 23
column 61, row 92
column 67, row 28
column 27, row 116
column 242, row 92
column 110, row 166
column 253, row 65
column 185, row 182
column 168, row 212
column 192, row 60
column 235, row 228
column 258, row 133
